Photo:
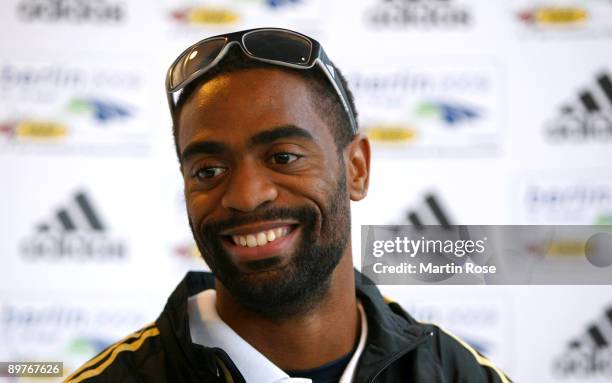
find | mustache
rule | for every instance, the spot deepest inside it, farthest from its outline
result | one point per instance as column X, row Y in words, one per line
column 302, row 214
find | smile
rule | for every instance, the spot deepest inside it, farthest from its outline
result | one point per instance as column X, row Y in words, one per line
column 261, row 238
column 261, row 241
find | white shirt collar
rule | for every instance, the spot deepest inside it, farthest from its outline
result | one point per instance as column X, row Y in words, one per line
column 208, row 329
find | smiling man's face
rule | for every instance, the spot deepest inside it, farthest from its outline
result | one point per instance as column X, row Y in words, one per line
column 266, row 188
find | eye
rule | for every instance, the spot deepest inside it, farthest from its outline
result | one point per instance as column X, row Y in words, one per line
column 284, row 158
column 208, row 172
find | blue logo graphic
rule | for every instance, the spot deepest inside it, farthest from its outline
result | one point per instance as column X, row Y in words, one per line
column 87, row 345
column 280, row 3
column 481, row 346
column 102, row 111
column 451, row 114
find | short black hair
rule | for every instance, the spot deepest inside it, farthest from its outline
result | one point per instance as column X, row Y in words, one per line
column 326, row 100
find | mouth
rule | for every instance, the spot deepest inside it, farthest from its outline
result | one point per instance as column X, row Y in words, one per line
column 260, row 238
column 261, row 241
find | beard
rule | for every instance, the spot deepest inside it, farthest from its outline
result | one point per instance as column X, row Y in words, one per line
column 300, row 284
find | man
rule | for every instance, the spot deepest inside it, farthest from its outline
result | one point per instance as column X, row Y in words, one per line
column 266, row 135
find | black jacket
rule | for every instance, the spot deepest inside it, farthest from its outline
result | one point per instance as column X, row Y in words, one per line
column 398, row 348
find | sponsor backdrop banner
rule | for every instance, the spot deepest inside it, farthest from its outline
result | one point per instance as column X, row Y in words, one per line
column 486, row 255
column 479, row 113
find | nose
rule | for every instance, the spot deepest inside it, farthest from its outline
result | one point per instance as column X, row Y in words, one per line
column 249, row 186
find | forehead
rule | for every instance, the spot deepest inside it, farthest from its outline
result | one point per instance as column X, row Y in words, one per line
column 237, row 105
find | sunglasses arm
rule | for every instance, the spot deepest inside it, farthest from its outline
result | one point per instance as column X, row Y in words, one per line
column 330, row 71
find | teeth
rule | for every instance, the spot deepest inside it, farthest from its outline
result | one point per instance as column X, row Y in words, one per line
column 251, row 240
column 260, row 238
column 270, row 236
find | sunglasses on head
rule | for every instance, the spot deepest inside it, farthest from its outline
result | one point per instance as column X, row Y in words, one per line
column 272, row 45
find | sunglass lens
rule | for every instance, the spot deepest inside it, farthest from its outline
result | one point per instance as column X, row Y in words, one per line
column 197, row 58
column 278, row 46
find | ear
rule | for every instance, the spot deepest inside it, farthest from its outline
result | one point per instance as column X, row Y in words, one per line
column 358, row 167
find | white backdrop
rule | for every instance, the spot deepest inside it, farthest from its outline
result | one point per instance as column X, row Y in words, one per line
column 499, row 110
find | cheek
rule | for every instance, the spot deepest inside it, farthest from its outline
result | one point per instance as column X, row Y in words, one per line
column 199, row 205
column 318, row 192
column 313, row 186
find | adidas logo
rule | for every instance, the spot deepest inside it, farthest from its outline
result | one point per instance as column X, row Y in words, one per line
column 430, row 212
column 591, row 353
column 588, row 118
column 80, row 213
column 426, row 14
column 75, row 231
column 77, row 12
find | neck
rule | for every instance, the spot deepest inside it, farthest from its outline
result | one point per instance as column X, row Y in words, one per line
column 327, row 332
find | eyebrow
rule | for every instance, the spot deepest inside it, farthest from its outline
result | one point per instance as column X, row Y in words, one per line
column 203, row 147
column 278, row 132
column 265, row 137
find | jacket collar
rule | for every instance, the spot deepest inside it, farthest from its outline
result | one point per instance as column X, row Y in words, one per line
column 391, row 331
column 193, row 360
